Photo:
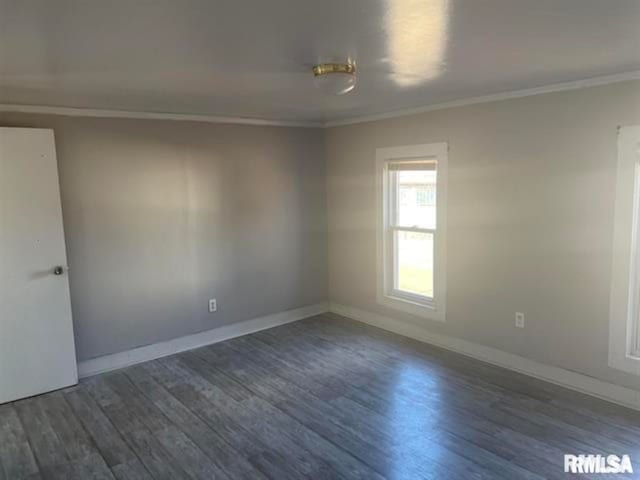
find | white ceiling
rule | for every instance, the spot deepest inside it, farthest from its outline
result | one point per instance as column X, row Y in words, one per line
column 253, row 58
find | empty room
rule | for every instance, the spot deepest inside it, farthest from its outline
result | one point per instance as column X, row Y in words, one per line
column 319, row 239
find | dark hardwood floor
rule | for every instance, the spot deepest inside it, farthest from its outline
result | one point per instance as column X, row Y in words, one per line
column 324, row 398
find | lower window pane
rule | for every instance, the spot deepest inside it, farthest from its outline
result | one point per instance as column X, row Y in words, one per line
column 414, row 254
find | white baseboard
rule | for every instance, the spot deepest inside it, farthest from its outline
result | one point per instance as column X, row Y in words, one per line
column 559, row 376
column 115, row 361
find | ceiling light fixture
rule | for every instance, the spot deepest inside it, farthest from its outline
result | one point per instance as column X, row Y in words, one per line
column 335, row 78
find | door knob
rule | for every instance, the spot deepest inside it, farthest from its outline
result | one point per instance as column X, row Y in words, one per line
column 58, row 270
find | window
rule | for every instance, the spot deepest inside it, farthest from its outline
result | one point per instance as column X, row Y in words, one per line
column 624, row 322
column 411, row 228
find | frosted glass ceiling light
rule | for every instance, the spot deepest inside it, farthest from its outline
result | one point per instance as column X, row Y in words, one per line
column 335, row 78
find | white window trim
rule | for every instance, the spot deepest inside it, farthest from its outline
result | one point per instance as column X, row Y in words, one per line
column 403, row 301
column 624, row 306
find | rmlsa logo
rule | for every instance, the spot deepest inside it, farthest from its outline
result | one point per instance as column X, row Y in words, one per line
column 597, row 464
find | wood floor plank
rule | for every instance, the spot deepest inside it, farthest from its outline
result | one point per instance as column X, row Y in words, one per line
column 82, row 453
column 307, row 438
column 271, row 463
column 113, row 449
column 15, row 452
column 183, row 450
column 133, row 470
column 49, row 451
column 322, row 398
column 612, row 432
column 265, row 425
column 229, row 460
column 372, row 451
column 146, row 446
column 300, row 405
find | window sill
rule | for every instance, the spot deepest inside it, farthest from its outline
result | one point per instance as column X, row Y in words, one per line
column 625, row 362
column 418, row 309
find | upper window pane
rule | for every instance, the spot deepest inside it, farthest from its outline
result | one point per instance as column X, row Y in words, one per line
column 416, row 198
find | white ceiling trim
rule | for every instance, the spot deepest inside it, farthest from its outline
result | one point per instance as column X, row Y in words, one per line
column 104, row 113
column 185, row 117
column 557, row 87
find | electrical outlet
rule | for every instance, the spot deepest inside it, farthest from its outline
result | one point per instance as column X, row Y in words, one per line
column 213, row 305
column 519, row 319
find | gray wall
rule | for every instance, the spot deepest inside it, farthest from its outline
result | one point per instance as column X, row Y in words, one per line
column 530, row 212
column 160, row 216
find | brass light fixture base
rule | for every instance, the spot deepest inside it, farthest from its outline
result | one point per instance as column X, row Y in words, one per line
column 324, row 68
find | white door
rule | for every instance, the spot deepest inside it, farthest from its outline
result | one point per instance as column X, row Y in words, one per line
column 37, row 351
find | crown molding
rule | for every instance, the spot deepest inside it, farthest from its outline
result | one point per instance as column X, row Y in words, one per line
column 556, row 87
column 184, row 117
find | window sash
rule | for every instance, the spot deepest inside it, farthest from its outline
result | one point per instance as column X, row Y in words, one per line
column 412, row 229
column 393, row 226
column 393, row 266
